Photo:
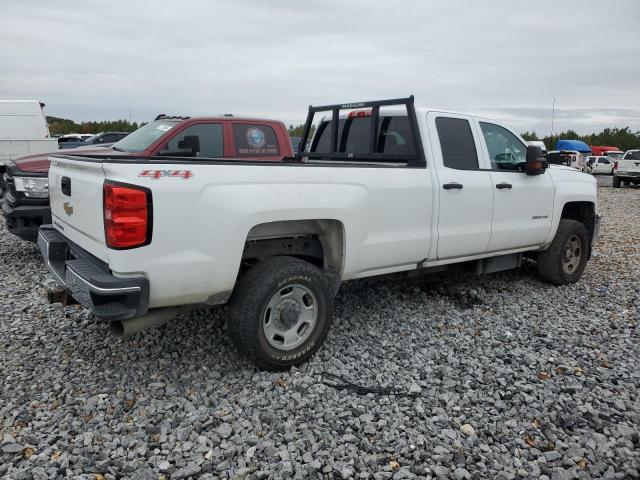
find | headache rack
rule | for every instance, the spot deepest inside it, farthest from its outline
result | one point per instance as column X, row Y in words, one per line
column 416, row 159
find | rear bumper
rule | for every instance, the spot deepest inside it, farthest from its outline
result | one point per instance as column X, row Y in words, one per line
column 89, row 280
column 25, row 220
column 623, row 174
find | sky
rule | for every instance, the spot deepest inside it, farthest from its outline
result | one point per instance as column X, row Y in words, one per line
column 505, row 59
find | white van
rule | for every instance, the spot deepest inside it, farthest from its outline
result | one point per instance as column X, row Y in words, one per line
column 23, row 130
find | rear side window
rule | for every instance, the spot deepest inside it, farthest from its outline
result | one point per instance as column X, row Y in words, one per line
column 456, row 142
column 255, row 140
column 394, row 136
column 204, row 140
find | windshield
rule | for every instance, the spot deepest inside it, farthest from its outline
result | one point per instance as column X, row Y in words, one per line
column 615, row 154
column 632, row 155
column 142, row 138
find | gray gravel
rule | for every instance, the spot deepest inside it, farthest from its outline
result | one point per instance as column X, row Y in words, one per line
column 515, row 379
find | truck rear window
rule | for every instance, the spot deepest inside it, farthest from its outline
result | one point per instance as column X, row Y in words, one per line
column 255, row 140
column 394, row 136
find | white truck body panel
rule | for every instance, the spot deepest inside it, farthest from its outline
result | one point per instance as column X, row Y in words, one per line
column 393, row 218
column 23, row 130
column 629, row 165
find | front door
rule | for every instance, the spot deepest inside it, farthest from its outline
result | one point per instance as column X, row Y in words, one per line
column 465, row 191
column 522, row 204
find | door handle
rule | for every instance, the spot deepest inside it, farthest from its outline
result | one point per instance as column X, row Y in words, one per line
column 452, row 185
column 65, row 186
column 504, row 185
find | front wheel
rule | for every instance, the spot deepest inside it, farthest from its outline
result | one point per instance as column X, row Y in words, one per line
column 564, row 261
column 280, row 312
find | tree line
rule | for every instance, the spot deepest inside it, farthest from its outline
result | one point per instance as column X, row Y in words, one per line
column 62, row 126
column 623, row 138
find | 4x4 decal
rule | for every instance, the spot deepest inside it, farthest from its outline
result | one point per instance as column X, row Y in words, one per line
column 157, row 174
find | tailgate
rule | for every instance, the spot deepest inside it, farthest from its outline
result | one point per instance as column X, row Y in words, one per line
column 75, row 190
column 629, row 165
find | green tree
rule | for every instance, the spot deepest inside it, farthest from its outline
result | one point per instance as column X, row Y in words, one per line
column 298, row 130
column 530, row 136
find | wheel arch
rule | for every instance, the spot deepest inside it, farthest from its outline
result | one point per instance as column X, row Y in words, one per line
column 583, row 212
column 320, row 241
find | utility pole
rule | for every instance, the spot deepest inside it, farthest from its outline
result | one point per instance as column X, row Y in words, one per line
column 553, row 115
column 129, row 114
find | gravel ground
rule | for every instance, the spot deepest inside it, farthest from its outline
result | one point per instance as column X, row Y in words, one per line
column 512, row 378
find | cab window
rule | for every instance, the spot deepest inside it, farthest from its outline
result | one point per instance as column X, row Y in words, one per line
column 506, row 151
column 457, row 144
column 255, row 140
column 354, row 134
column 203, row 140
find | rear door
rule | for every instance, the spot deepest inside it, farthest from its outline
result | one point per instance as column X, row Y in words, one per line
column 75, row 191
column 522, row 204
column 465, row 190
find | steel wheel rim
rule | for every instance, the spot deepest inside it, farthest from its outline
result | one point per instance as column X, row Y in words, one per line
column 572, row 255
column 290, row 316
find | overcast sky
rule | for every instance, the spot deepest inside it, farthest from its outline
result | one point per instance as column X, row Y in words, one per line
column 501, row 58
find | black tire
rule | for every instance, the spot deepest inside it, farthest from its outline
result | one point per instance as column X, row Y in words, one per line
column 616, row 182
column 551, row 262
column 249, row 310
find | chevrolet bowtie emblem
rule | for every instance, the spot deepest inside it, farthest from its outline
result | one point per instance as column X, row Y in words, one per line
column 68, row 209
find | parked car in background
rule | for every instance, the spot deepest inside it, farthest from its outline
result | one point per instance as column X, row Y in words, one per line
column 97, row 139
column 275, row 240
column 538, row 143
column 26, row 203
column 75, row 139
column 612, row 152
column 570, row 158
column 626, row 171
column 23, row 130
column 599, row 164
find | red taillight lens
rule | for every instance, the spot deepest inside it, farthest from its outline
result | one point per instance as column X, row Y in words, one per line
column 360, row 113
column 615, row 166
column 127, row 215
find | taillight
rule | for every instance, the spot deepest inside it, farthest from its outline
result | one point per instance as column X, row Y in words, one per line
column 127, row 215
column 615, row 165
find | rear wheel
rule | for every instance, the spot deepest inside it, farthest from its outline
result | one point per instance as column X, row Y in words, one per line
column 564, row 261
column 616, row 182
column 280, row 312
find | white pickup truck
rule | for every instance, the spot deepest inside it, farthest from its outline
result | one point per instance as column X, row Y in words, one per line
column 384, row 188
column 626, row 170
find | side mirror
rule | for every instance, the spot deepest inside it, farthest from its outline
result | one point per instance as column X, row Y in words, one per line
column 190, row 142
column 536, row 163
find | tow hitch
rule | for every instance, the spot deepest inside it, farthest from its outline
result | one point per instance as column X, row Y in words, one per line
column 60, row 295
